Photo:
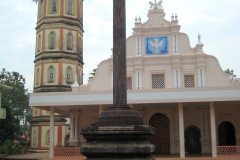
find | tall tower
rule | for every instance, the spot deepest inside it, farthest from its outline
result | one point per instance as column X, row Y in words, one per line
column 59, row 45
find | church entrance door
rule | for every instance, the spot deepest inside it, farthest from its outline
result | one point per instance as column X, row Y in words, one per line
column 226, row 134
column 192, row 137
column 161, row 139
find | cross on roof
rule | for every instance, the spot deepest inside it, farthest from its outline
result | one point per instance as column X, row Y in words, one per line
column 155, row 5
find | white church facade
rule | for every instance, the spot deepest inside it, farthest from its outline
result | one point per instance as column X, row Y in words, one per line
column 182, row 92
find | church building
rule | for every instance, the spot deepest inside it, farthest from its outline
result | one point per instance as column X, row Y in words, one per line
column 182, row 92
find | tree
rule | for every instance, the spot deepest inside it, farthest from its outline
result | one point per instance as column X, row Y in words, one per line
column 93, row 73
column 230, row 72
column 15, row 101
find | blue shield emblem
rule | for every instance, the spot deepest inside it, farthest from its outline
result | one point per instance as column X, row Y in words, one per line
column 156, row 45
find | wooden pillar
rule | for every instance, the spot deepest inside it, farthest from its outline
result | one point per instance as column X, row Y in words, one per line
column 213, row 129
column 51, row 152
column 119, row 54
column 181, row 130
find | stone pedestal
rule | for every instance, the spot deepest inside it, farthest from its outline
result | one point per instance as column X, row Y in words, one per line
column 117, row 134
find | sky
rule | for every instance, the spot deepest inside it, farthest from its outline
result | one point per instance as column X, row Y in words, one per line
column 218, row 22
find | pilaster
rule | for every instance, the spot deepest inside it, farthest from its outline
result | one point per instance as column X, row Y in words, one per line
column 205, row 139
column 74, row 123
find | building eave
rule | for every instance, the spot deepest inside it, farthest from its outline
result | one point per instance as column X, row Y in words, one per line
column 82, row 100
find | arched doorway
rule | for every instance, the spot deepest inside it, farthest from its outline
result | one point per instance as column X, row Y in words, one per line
column 226, row 134
column 161, row 139
column 192, row 140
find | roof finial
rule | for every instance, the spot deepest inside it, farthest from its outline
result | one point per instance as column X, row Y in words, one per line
column 176, row 16
column 136, row 19
column 155, row 5
column 199, row 39
column 139, row 19
column 75, row 81
column 172, row 17
column 35, row 1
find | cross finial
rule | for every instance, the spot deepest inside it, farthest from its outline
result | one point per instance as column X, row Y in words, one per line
column 155, row 5
column 199, row 39
column 35, row 1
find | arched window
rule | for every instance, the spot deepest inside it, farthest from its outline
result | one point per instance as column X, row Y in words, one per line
column 39, row 43
column 48, row 137
column 80, row 46
column 51, row 74
column 80, row 76
column 54, row 6
column 81, row 12
column 69, row 41
column 34, row 137
column 41, row 8
column 69, row 75
column 35, row 111
column 52, row 40
column 69, row 6
column 37, row 77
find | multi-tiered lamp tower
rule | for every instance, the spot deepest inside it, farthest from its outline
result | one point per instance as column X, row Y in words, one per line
column 59, row 45
column 58, row 60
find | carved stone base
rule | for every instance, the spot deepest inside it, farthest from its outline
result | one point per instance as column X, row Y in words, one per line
column 123, row 142
column 119, row 133
column 122, row 116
